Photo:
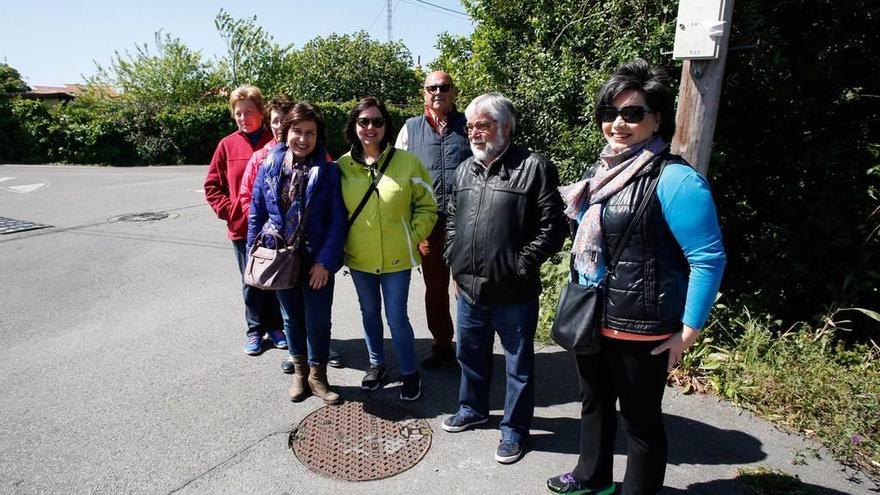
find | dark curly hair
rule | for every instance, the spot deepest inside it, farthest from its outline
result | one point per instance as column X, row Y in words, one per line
column 653, row 82
column 350, row 132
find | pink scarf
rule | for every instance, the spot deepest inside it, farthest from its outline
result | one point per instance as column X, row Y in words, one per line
column 613, row 172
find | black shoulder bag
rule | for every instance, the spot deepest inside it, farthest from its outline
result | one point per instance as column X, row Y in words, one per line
column 373, row 185
column 579, row 311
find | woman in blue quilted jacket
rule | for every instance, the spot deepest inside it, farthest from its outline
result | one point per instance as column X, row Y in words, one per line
column 298, row 195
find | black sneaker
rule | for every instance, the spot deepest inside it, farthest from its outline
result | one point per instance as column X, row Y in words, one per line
column 459, row 422
column 565, row 484
column 374, row 375
column 412, row 386
column 509, row 452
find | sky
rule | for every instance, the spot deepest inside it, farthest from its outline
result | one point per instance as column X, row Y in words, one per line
column 57, row 42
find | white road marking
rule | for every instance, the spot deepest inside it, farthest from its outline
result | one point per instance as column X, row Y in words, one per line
column 200, row 191
column 4, row 179
column 27, row 188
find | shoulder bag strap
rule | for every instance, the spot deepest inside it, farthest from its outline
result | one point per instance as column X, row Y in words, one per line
column 643, row 205
column 373, row 185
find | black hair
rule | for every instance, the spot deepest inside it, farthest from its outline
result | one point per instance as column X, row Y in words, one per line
column 653, row 82
column 350, row 132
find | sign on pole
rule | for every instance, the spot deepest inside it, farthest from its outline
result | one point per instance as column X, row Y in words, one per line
column 701, row 38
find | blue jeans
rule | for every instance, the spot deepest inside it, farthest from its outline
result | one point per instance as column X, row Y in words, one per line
column 261, row 311
column 476, row 327
column 395, row 292
column 306, row 314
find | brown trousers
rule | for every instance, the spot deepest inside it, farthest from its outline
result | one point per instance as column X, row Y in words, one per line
column 436, row 275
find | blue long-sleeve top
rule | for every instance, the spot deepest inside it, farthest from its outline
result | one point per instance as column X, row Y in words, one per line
column 687, row 206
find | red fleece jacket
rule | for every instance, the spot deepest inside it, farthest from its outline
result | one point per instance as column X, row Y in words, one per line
column 223, row 180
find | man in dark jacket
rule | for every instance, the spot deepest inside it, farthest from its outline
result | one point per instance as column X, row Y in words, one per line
column 439, row 139
column 505, row 218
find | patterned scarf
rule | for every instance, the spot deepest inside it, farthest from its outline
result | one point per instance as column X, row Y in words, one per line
column 613, row 172
column 292, row 198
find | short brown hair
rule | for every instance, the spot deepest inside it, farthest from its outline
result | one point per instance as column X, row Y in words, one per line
column 302, row 112
column 246, row 92
column 281, row 104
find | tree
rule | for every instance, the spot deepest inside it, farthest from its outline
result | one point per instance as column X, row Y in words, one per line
column 346, row 67
column 11, row 81
column 252, row 55
column 174, row 75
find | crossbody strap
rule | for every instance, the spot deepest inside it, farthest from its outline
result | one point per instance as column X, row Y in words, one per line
column 373, row 185
column 643, row 205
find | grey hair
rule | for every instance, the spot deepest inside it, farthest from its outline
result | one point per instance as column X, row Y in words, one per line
column 494, row 104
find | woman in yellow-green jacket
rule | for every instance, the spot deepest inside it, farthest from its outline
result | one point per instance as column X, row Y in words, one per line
column 388, row 222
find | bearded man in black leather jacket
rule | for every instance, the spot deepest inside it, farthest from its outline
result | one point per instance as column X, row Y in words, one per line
column 504, row 220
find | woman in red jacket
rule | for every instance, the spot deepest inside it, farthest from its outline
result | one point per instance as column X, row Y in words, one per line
column 222, row 185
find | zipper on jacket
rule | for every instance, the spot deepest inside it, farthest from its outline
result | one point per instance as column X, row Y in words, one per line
column 474, row 236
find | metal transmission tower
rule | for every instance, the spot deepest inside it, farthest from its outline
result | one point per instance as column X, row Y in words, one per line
column 390, row 35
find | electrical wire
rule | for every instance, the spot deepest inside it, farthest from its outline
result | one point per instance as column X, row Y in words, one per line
column 434, row 8
column 376, row 18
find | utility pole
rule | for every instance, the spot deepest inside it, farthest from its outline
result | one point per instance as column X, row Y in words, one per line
column 390, row 35
column 699, row 92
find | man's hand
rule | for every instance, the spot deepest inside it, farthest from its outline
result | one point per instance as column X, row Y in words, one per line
column 318, row 276
column 676, row 345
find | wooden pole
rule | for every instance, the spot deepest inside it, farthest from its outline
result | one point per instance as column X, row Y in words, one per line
column 699, row 95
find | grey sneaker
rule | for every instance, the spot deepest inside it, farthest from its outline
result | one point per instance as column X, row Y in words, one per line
column 373, row 377
column 509, row 452
column 460, row 422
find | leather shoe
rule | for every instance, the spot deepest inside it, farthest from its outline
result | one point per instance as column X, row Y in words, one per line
column 440, row 356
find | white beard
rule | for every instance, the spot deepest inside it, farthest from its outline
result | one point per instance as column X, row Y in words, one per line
column 491, row 150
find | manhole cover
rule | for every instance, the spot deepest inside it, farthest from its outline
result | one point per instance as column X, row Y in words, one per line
column 147, row 216
column 359, row 441
column 9, row 225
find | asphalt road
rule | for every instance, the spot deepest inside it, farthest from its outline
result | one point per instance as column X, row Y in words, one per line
column 121, row 367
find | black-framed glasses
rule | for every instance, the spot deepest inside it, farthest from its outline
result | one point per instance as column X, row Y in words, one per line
column 632, row 114
column 482, row 126
column 378, row 122
column 443, row 88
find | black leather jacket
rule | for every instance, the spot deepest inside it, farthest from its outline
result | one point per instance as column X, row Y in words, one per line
column 502, row 224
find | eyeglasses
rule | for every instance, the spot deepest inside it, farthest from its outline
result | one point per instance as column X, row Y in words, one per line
column 631, row 114
column 378, row 122
column 482, row 126
column 443, row 88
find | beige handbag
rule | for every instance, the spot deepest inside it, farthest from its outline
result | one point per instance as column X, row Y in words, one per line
column 272, row 269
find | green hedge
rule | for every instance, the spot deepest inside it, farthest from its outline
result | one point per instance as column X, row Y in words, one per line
column 122, row 133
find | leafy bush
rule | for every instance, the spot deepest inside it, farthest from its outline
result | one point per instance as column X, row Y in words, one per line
column 120, row 132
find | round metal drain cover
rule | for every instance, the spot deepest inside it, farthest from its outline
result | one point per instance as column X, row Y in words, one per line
column 359, row 441
column 147, row 216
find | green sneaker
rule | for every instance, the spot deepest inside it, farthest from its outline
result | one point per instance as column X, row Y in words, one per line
column 565, row 484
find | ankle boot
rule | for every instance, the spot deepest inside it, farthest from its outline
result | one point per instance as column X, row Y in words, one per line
column 320, row 387
column 299, row 388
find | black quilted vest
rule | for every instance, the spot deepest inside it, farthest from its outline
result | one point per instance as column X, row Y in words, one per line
column 440, row 155
column 646, row 293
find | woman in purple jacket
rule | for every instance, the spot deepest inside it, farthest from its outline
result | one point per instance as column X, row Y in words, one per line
column 297, row 195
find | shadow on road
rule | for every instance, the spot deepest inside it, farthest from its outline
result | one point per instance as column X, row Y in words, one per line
column 690, row 442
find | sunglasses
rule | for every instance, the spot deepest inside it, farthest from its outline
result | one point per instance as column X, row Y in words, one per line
column 481, row 126
column 443, row 88
column 631, row 114
column 378, row 122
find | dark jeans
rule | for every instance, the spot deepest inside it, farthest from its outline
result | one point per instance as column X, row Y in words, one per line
column 261, row 311
column 306, row 313
column 393, row 290
column 515, row 324
column 627, row 371
column 436, row 275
